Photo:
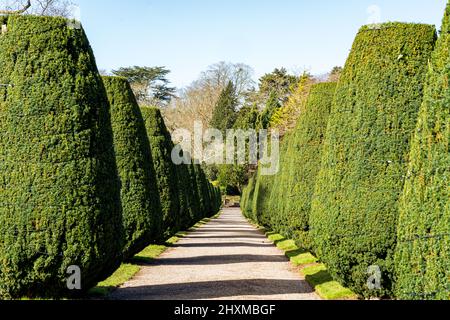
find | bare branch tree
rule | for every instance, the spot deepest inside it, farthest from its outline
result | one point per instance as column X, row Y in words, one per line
column 196, row 102
column 37, row 7
column 19, row 11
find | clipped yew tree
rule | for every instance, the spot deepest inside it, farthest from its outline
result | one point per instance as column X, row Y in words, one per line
column 204, row 189
column 141, row 209
column 304, row 161
column 166, row 171
column 261, row 197
column 423, row 249
column 273, row 213
column 366, row 151
column 218, row 199
column 199, row 179
column 247, row 198
column 59, row 188
column 186, row 195
column 195, row 202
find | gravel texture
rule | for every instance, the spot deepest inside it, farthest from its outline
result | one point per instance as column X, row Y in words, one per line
column 227, row 259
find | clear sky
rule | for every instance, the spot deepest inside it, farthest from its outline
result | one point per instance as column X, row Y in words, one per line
column 186, row 36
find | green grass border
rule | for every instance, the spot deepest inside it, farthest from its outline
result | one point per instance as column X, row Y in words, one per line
column 315, row 273
column 130, row 268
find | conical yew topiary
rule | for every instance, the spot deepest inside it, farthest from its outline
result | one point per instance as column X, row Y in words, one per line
column 423, row 249
column 200, row 183
column 355, row 207
column 141, row 209
column 195, row 200
column 247, row 198
column 305, row 157
column 166, row 171
column 186, row 195
column 59, row 189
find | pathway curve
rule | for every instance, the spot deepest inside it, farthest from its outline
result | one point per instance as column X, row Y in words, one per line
column 225, row 259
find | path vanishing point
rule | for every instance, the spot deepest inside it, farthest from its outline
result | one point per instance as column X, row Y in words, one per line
column 228, row 259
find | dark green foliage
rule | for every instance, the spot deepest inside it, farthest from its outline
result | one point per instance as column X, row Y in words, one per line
column 247, row 198
column 224, row 114
column 59, row 188
column 212, row 199
column 233, row 177
column 195, row 203
column 355, row 207
column 423, row 250
column 187, row 214
column 201, row 195
column 217, row 199
column 260, row 211
column 207, row 203
column 273, row 213
column 246, row 118
column 150, row 84
column 204, row 187
column 278, row 81
column 272, row 105
column 285, row 207
column 304, row 162
column 166, row 172
column 141, row 209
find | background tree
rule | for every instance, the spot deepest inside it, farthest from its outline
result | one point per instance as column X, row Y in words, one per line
column 220, row 74
column 246, row 118
column 223, row 118
column 197, row 102
column 61, row 8
column 272, row 105
column 233, row 177
column 279, row 82
column 224, row 115
column 335, row 74
column 285, row 119
column 150, row 84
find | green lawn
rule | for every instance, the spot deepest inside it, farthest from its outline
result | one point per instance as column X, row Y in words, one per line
column 122, row 275
column 325, row 286
column 315, row 274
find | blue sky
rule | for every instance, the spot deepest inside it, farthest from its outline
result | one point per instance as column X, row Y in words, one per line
column 187, row 36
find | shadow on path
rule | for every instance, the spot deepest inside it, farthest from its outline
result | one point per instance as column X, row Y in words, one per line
column 226, row 258
column 215, row 289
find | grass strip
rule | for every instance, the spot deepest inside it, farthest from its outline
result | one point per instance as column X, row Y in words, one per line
column 320, row 279
column 315, row 274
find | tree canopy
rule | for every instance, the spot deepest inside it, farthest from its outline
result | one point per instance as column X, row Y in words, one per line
column 224, row 115
column 150, row 84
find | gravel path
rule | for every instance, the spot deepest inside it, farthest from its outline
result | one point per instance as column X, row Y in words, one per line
column 225, row 259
